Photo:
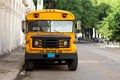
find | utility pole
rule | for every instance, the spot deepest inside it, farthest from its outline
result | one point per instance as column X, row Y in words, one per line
column 39, row 4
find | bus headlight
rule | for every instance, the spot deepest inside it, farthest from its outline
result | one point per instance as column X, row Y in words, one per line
column 36, row 43
column 65, row 43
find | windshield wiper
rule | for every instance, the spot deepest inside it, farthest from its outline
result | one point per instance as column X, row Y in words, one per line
column 54, row 30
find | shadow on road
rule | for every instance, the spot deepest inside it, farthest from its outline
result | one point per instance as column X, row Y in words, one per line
column 46, row 67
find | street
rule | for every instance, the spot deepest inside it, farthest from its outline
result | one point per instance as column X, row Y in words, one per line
column 95, row 63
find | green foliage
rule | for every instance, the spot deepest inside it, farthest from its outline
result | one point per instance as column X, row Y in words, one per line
column 103, row 9
column 108, row 15
column 115, row 25
column 68, row 5
column 89, row 14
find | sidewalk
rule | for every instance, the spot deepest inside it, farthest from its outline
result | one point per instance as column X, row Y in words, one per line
column 103, row 45
column 10, row 65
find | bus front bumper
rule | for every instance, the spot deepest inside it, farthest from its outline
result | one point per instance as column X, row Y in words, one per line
column 54, row 56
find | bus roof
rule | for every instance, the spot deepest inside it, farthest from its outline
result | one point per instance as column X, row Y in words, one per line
column 50, row 14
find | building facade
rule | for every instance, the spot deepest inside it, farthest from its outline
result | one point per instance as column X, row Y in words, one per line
column 39, row 4
column 12, row 12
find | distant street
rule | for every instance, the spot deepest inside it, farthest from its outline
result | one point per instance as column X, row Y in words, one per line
column 95, row 63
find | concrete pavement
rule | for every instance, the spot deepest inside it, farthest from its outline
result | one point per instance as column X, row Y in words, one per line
column 11, row 64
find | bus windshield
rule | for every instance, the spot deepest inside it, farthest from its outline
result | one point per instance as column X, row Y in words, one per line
column 49, row 26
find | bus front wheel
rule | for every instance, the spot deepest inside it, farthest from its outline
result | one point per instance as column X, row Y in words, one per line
column 73, row 63
column 29, row 64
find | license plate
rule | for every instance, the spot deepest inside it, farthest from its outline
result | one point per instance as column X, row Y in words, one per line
column 51, row 55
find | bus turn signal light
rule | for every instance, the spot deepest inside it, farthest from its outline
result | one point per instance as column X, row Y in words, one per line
column 36, row 15
column 64, row 15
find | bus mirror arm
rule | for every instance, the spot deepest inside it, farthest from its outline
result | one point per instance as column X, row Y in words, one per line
column 23, row 26
column 23, row 30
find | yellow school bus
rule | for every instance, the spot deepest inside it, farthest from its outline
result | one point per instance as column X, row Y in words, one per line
column 50, row 39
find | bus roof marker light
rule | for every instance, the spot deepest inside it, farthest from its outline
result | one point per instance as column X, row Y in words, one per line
column 36, row 15
column 64, row 15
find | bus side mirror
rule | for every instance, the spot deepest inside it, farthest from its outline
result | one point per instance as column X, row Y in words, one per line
column 23, row 26
column 77, row 31
column 23, row 30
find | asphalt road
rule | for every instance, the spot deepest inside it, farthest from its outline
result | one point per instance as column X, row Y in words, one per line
column 95, row 63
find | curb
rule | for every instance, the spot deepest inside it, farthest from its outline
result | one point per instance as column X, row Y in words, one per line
column 107, row 46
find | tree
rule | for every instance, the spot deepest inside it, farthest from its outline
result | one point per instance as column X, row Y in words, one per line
column 110, row 26
column 50, row 4
column 68, row 5
column 114, row 24
column 103, row 10
column 35, row 3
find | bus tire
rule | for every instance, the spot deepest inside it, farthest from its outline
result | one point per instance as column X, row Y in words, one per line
column 73, row 63
column 29, row 65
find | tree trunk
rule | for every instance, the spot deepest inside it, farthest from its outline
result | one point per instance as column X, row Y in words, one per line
column 119, row 44
column 51, row 5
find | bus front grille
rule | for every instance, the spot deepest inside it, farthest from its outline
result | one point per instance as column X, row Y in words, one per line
column 50, row 43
